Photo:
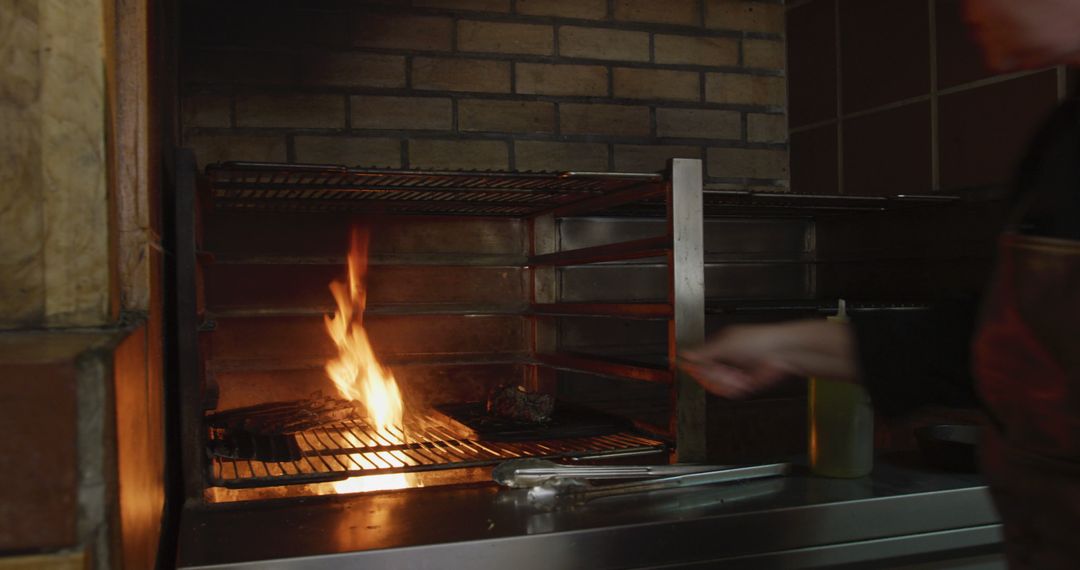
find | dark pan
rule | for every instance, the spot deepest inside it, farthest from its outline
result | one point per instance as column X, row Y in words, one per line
column 951, row 447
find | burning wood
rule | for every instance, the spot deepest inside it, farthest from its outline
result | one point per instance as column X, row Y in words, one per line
column 286, row 417
column 265, row 432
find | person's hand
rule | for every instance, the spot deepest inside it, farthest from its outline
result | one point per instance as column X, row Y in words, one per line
column 1025, row 34
column 743, row 359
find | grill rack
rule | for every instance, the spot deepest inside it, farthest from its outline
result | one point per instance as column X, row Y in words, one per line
column 320, row 188
column 351, row 448
column 279, row 187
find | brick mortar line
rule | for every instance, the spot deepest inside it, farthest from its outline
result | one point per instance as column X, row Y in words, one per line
column 271, row 91
column 839, row 102
column 232, row 110
column 526, row 58
column 482, row 136
column 935, row 122
column 348, row 111
column 625, row 25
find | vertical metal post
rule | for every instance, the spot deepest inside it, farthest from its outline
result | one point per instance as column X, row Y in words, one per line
column 686, row 293
column 543, row 288
column 187, row 367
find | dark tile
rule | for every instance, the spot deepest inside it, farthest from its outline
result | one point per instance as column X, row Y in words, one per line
column 884, row 52
column 959, row 58
column 811, row 45
column 888, row 152
column 814, row 161
column 984, row 131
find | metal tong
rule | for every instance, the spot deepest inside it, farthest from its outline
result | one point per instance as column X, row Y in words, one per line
column 524, row 473
column 548, row 481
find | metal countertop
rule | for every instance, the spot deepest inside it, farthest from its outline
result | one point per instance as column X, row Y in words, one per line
column 900, row 510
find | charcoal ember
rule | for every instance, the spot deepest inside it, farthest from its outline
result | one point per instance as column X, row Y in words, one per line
column 514, row 402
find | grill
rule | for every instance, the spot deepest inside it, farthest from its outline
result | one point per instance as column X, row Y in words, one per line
column 445, row 221
column 329, row 188
column 318, row 188
column 352, row 448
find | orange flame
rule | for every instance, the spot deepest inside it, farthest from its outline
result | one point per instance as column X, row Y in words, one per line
column 356, row 371
column 369, row 483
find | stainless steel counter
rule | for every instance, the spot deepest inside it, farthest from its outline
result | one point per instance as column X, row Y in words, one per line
column 797, row 521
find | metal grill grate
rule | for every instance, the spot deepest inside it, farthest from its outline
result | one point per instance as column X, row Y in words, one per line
column 352, row 448
column 326, row 188
column 319, row 188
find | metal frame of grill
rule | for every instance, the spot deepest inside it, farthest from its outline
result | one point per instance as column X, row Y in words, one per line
column 678, row 196
column 539, row 198
column 351, row 448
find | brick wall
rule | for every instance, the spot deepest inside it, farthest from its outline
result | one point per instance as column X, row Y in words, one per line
column 490, row 84
column 892, row 98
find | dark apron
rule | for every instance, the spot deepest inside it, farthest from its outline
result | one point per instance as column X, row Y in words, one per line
column 1027, row 361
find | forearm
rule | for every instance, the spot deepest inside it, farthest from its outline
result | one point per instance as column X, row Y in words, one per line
column 817, row 348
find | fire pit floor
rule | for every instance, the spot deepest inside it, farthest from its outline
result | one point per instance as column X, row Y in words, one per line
column 350, row 448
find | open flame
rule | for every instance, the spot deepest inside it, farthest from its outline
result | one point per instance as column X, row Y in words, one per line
column 356, row 371
column 369, row 483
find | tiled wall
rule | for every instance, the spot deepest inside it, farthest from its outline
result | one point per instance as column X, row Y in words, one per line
column 490, row 84
column 892, row 98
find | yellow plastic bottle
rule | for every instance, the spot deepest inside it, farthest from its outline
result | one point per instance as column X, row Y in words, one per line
column 841, row 425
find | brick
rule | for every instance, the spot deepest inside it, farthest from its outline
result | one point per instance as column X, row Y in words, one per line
column 207, row 111
column 349, row 151
column 650, row 158
column 291, row 111
column 506, row 116
column 220, row 148
column 371, row 112
column 766, row 128
column 458, row 154
column 744, row 89
column 477, row 5
column 38, row 411
column 763, row 54
column 747, row 163
column 560, row 156
column 247, row 67
column 426, row 33
column 601, row 43
column 584, row 9
column 699, row 123
column 478, row 75
column 657, row 84
column 596, row 119
column 685, row 12
column 744, row 16
column 697, row 50
column 499, row 37
column 552, row 79
column 352, row 69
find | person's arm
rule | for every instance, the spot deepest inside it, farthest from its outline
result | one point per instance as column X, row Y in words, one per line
column 905, row 359
column 743, row 359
